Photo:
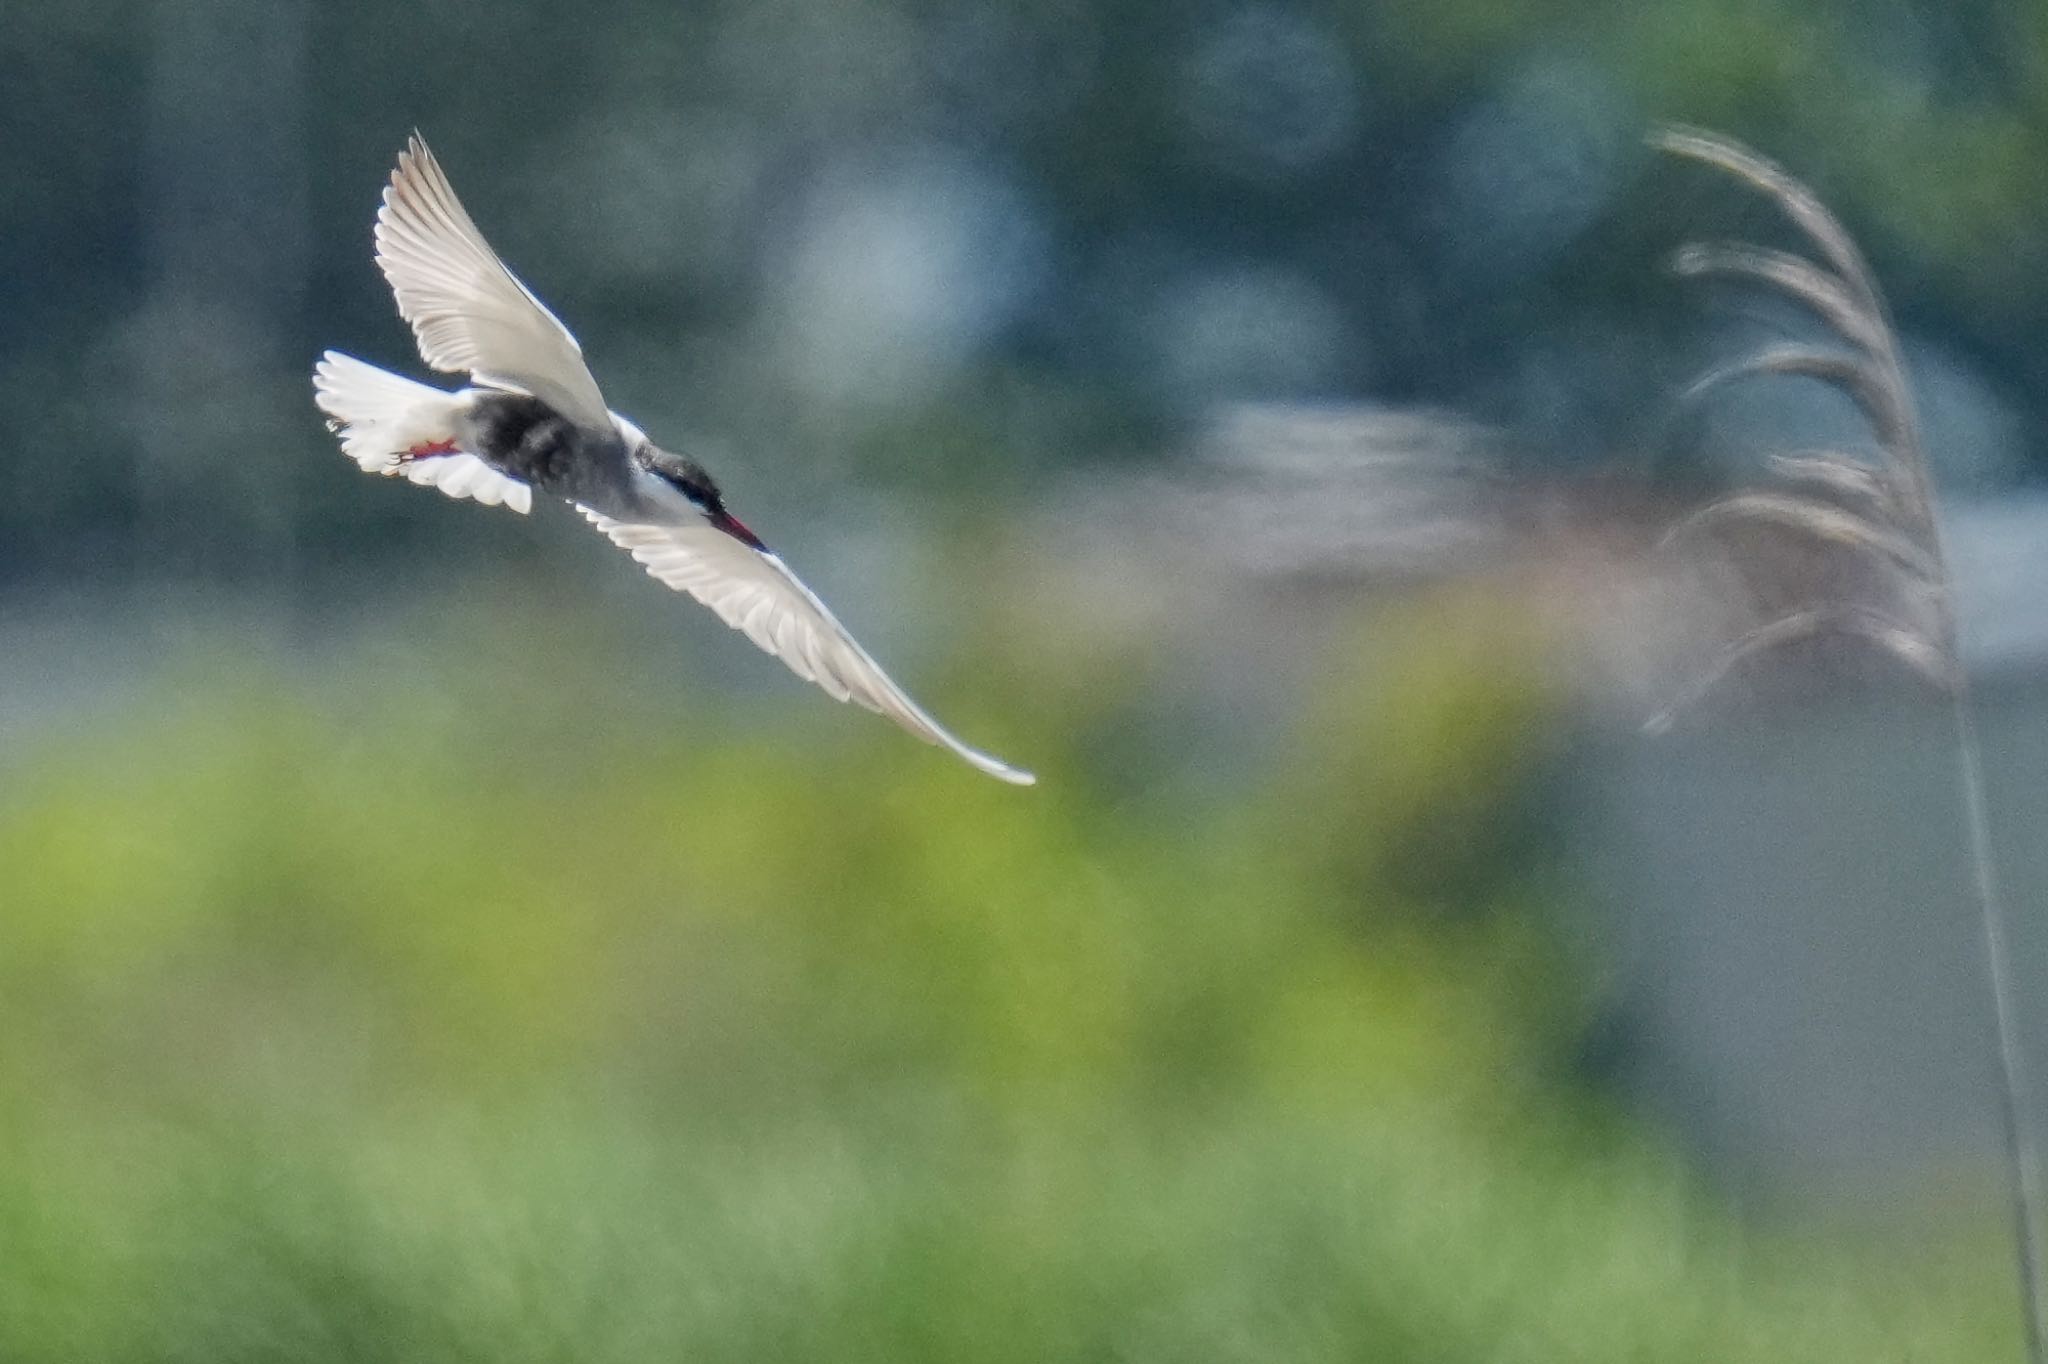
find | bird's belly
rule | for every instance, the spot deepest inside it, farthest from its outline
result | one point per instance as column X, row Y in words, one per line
column 524, row 438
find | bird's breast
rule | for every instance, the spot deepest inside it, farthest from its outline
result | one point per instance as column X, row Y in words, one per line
column 523, row 437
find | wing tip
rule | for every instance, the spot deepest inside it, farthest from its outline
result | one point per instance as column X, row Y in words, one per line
column 416, row 188
column 994, row 766
column 415, row 150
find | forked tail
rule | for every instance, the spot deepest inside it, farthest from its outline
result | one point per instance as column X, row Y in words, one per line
column 389, row 424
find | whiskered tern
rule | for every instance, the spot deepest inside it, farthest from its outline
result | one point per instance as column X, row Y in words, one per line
column 532, row 418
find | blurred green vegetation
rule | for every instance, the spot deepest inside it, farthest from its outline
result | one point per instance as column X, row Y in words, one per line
column 394, row 1009
column 1444, row 203
column 426, row 995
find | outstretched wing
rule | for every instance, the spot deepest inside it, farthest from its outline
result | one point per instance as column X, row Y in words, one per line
column 754, row 592
column 470, row 313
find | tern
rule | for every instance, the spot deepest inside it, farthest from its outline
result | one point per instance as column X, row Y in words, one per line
column 532, row 417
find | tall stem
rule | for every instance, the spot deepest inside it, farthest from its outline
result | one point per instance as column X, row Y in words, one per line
column 1865, row 326
column 2016, row 1089
column 2022, row 1147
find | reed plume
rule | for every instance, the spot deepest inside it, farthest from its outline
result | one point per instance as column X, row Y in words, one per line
column 1881, row 509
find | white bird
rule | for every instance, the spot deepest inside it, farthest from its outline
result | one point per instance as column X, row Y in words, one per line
column 532, row 417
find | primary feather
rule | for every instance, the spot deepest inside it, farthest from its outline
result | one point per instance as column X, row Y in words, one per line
column 753, row 591
column 470, row 313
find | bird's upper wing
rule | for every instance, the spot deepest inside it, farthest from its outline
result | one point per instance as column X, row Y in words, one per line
column 753, row 591
column 469, row 312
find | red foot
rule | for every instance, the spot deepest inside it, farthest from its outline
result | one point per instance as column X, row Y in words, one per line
column 428, row 449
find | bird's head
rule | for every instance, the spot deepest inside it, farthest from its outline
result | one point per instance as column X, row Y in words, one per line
column 694, row 481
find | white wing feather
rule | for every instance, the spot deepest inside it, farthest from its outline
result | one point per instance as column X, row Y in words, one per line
column 754, row 592
column 465, row 475
column 469, row 312
column 379, row 414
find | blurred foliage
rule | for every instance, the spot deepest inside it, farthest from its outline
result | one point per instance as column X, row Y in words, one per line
column 893, row 242
column 415, row 996
column 398, row 1010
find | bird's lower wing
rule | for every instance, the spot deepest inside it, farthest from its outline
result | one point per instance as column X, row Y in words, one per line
column 464, row 475
column 754, row 592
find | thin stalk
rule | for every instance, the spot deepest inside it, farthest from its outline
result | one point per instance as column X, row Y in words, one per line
column 2018, row 1127
column 2022, row 1137
column 2015, row 1091
column 1849, row 302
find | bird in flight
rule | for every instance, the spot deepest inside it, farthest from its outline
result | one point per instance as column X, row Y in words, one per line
column 532, row 417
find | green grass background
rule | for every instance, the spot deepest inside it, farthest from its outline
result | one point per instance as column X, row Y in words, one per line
column 383, row 1007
